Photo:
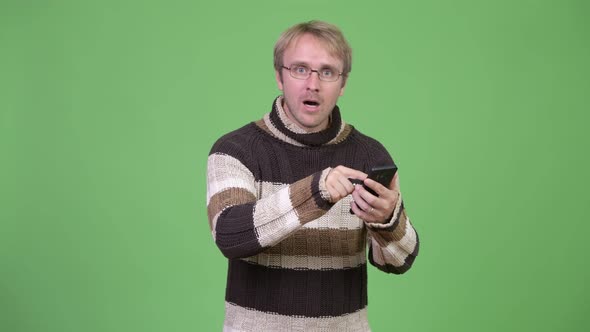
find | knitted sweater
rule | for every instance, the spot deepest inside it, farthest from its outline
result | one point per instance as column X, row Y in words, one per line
column 297, row 261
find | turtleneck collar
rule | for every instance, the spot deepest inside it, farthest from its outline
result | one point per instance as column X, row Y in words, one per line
column 279, row 125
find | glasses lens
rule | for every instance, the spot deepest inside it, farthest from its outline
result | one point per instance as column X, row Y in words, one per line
column 300, row 72
column 303, row 72
column 328, row 74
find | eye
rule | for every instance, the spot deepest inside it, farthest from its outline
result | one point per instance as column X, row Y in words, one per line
column 327, row 72
column 300, row 69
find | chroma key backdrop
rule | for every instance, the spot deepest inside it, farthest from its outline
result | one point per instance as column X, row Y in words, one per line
column 108, row 110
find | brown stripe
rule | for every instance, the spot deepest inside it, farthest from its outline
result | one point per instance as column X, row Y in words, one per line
column 321, row 242
column 343, row 134
column 228, row 197
column 303, row 201
column 260, row 123
column 307, row 262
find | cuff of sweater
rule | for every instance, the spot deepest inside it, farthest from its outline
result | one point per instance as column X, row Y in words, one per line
column 322, row 185
column 393, row 222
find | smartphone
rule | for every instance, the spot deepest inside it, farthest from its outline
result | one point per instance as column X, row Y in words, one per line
column 383, row 175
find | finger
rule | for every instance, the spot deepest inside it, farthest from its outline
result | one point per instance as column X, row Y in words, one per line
column 367, row 216
column 343, row 186
column 358, row 198
column 344, row 175
column 383, row 205
column 382, row 195
column 347, row 184
column 350, row 173
column 337, row 190
column 358, row 211
column 336, row 185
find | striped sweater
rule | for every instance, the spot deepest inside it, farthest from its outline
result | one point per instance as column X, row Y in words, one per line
column 297, row 261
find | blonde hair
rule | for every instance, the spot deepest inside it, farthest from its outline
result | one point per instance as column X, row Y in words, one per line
column 328, row 34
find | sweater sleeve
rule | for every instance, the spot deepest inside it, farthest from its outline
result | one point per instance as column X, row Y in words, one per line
column 393, row 246
column 243, row 223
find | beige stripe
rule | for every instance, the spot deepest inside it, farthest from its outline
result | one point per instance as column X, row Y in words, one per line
column 290, row 125
column 338, row 217
column 245, row 320
column 343, row 131
column 378, row 254
column 224, row 171
column 275, row 218
column 275, row 132
column 308, row 262
column 266, row 125
column 408, row 242
column 322, row 184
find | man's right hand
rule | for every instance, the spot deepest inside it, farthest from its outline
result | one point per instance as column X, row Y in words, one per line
column 338, row 183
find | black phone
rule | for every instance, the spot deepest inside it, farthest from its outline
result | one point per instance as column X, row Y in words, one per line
column 383, row 175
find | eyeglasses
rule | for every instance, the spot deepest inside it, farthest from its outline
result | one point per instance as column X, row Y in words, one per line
column 302, row 72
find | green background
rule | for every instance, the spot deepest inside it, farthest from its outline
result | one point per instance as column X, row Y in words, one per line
column 109, row 109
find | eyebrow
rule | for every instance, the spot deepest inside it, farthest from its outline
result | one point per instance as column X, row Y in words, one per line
column 323, row 66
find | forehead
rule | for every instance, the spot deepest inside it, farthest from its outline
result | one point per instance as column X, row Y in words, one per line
column 310, row 50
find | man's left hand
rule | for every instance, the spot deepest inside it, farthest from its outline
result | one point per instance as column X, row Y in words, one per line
column 375, row 209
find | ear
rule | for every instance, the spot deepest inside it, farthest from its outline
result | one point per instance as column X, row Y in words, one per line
column 279, row 80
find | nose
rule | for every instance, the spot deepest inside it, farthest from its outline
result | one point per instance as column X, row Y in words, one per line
column 313, row 81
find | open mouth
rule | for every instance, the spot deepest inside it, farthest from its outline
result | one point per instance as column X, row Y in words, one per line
column 311, row 103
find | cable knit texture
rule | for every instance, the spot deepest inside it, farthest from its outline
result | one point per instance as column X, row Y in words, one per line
column 297, row 261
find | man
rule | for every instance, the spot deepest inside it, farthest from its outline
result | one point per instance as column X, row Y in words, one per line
column 282, row 206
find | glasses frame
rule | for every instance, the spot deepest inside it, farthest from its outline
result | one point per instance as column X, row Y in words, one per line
column 311, row 71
